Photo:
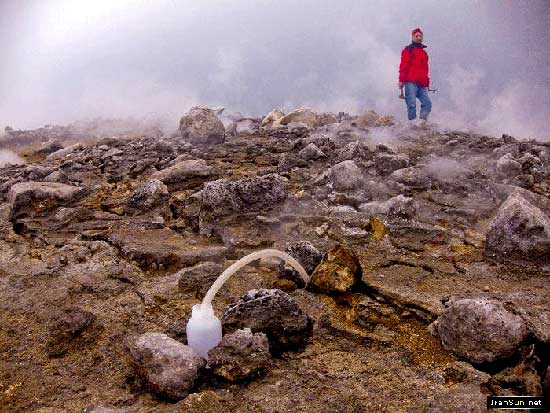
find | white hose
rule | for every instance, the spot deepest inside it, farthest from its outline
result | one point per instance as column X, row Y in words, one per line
column 229, row 271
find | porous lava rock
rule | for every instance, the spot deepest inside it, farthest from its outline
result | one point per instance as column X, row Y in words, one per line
column 240, row 355
column 274, row 313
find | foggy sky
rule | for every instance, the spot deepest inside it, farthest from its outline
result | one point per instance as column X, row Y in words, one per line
column 65, row 60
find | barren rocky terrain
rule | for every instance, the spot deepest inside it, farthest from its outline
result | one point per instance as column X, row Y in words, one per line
column 428, row 251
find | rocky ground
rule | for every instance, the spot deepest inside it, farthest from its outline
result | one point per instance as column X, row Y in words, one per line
column 428, row 250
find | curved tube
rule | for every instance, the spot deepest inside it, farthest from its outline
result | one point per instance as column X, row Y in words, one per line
column 229, row 271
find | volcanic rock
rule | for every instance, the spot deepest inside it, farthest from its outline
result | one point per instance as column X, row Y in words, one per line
column 480, row 330
column 198, row 279
column 153, row 193
column 222, row 197
column 272, row 119
column 311, row 152
column 519, row 231
column 23, row 195
column 507, row 166
column 185, row 174
column 201, row 126
column 168, row 367
column 346, row 175
column 240, row 355
column 274, row 313
column 307, row 255
column 338, row 271
column 386, row 163
column 397, row 207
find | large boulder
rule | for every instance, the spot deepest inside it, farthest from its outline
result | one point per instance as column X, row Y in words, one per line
column 222, row 197
column 185, row 174
column 274, row 313
column 480, row 330
column 201, row 126
column 519, row 231
column 24, row 197
column 346, row 175
column 240, row 355
column 168, row 367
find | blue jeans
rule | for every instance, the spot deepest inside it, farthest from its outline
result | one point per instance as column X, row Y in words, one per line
column 413, row 91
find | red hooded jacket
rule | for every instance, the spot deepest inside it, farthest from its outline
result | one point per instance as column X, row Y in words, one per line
column 414, row 65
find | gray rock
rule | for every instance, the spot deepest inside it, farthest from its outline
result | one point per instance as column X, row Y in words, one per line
column 201, row 126
column 413, row 177
column 311, row 152
column 274, row 313
column 222, row 197
column 386, row 163
column 37, row 172
column 346, row 175
column 198, row 279
column 56, row 176
column 519, row 231
column 397, row 207
column 307, row 255
column 185, row 174
column 240, row 355
column 23, row 195
column 480, row 330
column 153, row 193
column 168, row 367
column 507, row 166
column 354, row 150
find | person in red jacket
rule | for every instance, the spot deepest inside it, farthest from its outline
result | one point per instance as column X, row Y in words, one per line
column 413, row 76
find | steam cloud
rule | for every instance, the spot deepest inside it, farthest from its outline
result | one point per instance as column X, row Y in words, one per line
column 67, row 60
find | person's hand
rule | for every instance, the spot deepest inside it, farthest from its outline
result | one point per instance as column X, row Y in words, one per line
column 400, row 85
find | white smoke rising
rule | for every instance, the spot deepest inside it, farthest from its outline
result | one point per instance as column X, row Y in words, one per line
column 66, row 60
column 10, row 158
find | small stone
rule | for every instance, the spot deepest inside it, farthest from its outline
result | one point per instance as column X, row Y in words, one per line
column 240, row 355
column 168, row 367
column 153, row 193
column 338, row 271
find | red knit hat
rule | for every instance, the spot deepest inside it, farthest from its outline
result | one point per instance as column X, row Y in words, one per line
column 417, row 30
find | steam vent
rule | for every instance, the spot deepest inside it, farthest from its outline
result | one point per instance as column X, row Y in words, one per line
column 427, row 253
